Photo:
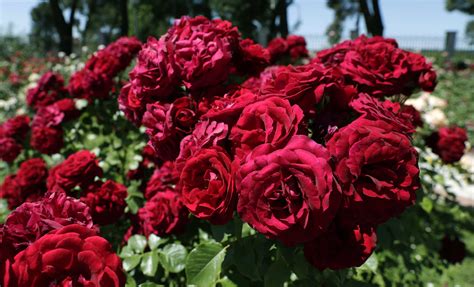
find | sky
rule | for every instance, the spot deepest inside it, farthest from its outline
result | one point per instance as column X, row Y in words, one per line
column 401, row 17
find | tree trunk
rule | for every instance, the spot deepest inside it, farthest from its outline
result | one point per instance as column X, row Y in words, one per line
column 64, row 28
column 280, row 12
column 377, row 19
column 124, row 18
column 373, row 19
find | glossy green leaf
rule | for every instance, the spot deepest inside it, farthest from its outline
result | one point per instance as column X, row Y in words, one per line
column 173, row 257
column 137, row 243
column 149, row 263
column 203, row 265
column 131, row 262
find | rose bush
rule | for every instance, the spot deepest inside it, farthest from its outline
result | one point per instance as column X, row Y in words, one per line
column 204, row 159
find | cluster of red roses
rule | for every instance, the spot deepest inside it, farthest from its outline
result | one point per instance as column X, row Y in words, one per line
column 52, row 238
column 449, row 143
column 52, row 106
column 293, row 46
column 95, row 81
column 306, row 155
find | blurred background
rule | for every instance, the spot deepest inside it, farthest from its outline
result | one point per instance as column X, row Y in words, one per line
column 68, row 25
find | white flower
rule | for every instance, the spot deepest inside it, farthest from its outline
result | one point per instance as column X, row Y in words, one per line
column 34, row 77
column 61, row 54
column 435, row 118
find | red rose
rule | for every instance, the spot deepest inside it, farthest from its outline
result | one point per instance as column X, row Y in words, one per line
column 30, row 221
column 373, row 109
column 68, row 108
column 208, row 187
column 49, row 116
column 69, row 256
column 11, row 191
column 377, row 169
column 86, row 84
column 16, row 127
column 448, row 143
column 106, row 201
column 164, row 178
column 163, row 214
column 49, row 89
column 155, row 75
column 412, row 114
column 273, row 121
column 290, row 193
column 203, row 50
column 297, row 46
column 79, row 169
column 252, row 58
column 31, row 176
column 47, row 140
column 168, row 124
column 9, row 149
column 206, row 134
column 255, row 84
column 306, row 86
column 228, row 108
column 277, row 47
column 341, row 248
column 428, row 81
column 378, row 67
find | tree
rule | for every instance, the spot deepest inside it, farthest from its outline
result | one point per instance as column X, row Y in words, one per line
column 43, row 33
column 343, row 9
column 64, row 26
column 464, row 6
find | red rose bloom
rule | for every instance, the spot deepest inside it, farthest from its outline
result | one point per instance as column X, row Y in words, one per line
column 163, row 214
column 68, row 108
column 378, row 67
column 228, row 108
column 377, row 168
column 31, row 220
column 168, row 124
column 73, row 255
column 206, row 134
column 203, row 50
column 252, row 58
column 11, row 191
column 290, row 193
column 31, row 176
column 208, row 187
column 154, row 76
column 272, row 121
column 411, row 113
column 16, row 127
column 255, row 84
column 49, row 116
column 106, row 201
column 448, row 143
column 341, row 248
column 86, row 84
column 164, row 178
column 297, row 46
column 9, row 149
column 79, row 169
column 47, row 140
column 50, row 88
column 277, row 47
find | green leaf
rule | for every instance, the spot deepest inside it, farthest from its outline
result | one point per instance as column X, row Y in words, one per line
column 277, row 274
column 203, row 265
column 226, row 282
column 154, row 241
column 137, row 243
column 173, row 257
column 130, row 281
column 426, row 204
column 149, row 263
column 150, row 284
column 131, row 262
column 126, row 252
